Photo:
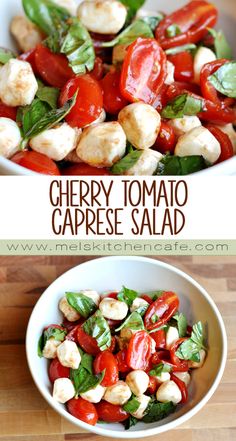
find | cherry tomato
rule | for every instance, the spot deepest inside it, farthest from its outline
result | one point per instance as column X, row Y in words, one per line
column 87, row 343
column 7, row 111
column 193, row 20
column 111, row 413
column 139, row 350
column 162, row 355
column 83, row 410
column 98, row 70
column 217, row 114
column 143, row 71
column 152, row 386
column 208, row 90
column 53, row 68
column 160, row 338
column 106, row 360
column 85, row 170
column 73, row 331
column 56, row 370
column 105, row 53
column 113, row 100
column 121, row 360
column 113, row 295
column 89, row 100
column 36, row 162
column 160, row 311
column 179, row 365
column 113, row 344
column 30, row 57
column 182, row 386
column 161, row 99
column 166, row 139
column 147, row 298
column 183, row 63
column 227, row 150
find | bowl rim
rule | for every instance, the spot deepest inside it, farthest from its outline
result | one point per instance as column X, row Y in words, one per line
column 138, row 433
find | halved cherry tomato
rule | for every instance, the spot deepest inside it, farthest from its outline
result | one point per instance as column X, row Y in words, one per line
column 53, row 68
column 143, row 71
column 84, row 170
column 159, row 356
column 112, row 97
column 106, row 360
column 113, row 295
column 208, row 90
column 166, row 139
column 160, row 338
column 73, row 331
column 147, row 298
column 30, row 57
column 56, row 370
column 183, row 63
column 89, row 100
column 139, row 350
column 87, row 343
column 179, row 365
column 83, row 410
column 121, row 360
column 7, row 111
column 111, row 413
column 36, row 162
column 98, row 70
column 152, row 386
column 180, row 87
column 182, row 386
column 193, row 20
column 227, row 150
column 160, row 311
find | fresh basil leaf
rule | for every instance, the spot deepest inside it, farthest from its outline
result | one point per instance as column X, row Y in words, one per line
column 173, row 30
column 179, row 49
column 154, row 21
column 130, row 422
column 158, row 411
column 129, row 148
column 81, row 303
column 132, row 405
column 126, row 163
column 127, row 295
column 224, row 79
column 51, row 332
column 133, row 322
column 184, row 104
column 6, row 55
column 98, row 328
column 180, row 166
column 182, row 323
column 155, row 294
column 45, row 14
column 189, row 349
column 40, row 346
column 83, row 380
column 221, row 45
column 133, row 7
column 137, row 29
column 156, row 371
column 48, row 95
column 28, row 116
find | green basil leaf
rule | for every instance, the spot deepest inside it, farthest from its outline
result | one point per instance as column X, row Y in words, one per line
column 51, row 332
column 45, row 14
column 182, row 323
column 83, row 380
column 28, row 116
column 40, row 346
column 221, row 45
column 127, row 295
column 98, row 328
column 133, row 322
column 81, row 303
column 173, row 30
column 184, row 104
column 189, row 349
column 137, row 29
column 126, row 163
column 133, row 7
column 154, row 21
column 180, row 166
column 6, row 55
column 132, row 405
column 130, row 422
column 48, row 95
column 157, row 370
column 155, row 294
column 158, row 411
column 224, row 79
column 179, row 49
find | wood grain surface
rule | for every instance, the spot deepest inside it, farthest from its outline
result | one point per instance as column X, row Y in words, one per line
column 25, row 415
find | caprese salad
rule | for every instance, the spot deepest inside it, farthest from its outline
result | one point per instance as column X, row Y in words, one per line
column 108, row 88
column 121, row 357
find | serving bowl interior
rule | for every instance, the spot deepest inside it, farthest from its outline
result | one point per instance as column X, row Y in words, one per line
column 143, row 275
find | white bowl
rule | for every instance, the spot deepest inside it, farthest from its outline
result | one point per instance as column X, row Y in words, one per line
column 141, row 274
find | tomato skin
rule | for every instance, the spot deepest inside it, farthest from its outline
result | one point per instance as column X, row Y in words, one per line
column 166, row 139
column 112, row 98
column 7, row 111
column 226, row 145
column 87, row 343
column 147, row 298
column 56, row 370
column 72, row 334
column 164, row 307
column 113, row 344
column 160, row 338
column 183, row 63
column 194, row 19
column 106, row 360
column 152, row 386
column 30, row 57
column 143, row 71
column 121, row 360
column 85, row 170
column 208, row 90
column 53, row 68
column 179, row 365
column 139, row 350
column 182, row 386
column 36, row 162
column 89, row 101
column 83, row 410
column 98, row 71
column 111, row 413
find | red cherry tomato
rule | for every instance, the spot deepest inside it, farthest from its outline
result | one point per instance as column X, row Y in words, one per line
column 143, row 71
column 183, row 63
column 166, row 139
column 180, row 87
column 160, row 311
column 98, row 70
column 56, row 370
column 87, row 343
column 30, row 57
column 208, row 90
column 7, row 111
column 139, row 350
column 160, row 338
column 73, row 331
column 162, row 355
column 85, row 170
column 83, row 410
column 111, row 413
column 147, row 298
column 193, row 20
column 53, row 68
column 121, row 360
column 36, row 162
column 113, row 295
column 89, row 100
column 182, row 386
column 106, row 360
column 179, row 365
column 227, row 150
column 113, row 100
column 113, row 344
column 152, row 386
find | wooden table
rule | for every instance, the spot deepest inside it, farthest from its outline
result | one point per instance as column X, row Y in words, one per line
column 25, row 416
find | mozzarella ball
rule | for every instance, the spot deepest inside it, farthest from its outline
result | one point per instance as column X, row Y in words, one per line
column 94, row 395
column 102, row 145
column 170, row 73
column 50, row 348
column 199, row 141
column 100, row 119
column 140, row 412
column 164, row 376
column 183, row 376
column 63, row 390
column 70, row 313
column 146, row 13
column 171, row 336
column 118, row 394
column 184, row 124
column 141, row 124
column 113, row 309
column 93, row 295
column 138, row 303
column 229, row 130
column 55, row 143
column 146, row 164
column 198, row 364
column 10, row 137
column 26, row 34
column 102, row 16
column 169, row 391
column 68, row 354
column 18, row 84
column 137, row 381
column 70, row 5
column 203, row 56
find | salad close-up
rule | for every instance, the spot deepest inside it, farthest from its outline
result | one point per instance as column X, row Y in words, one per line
column 122, row 357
